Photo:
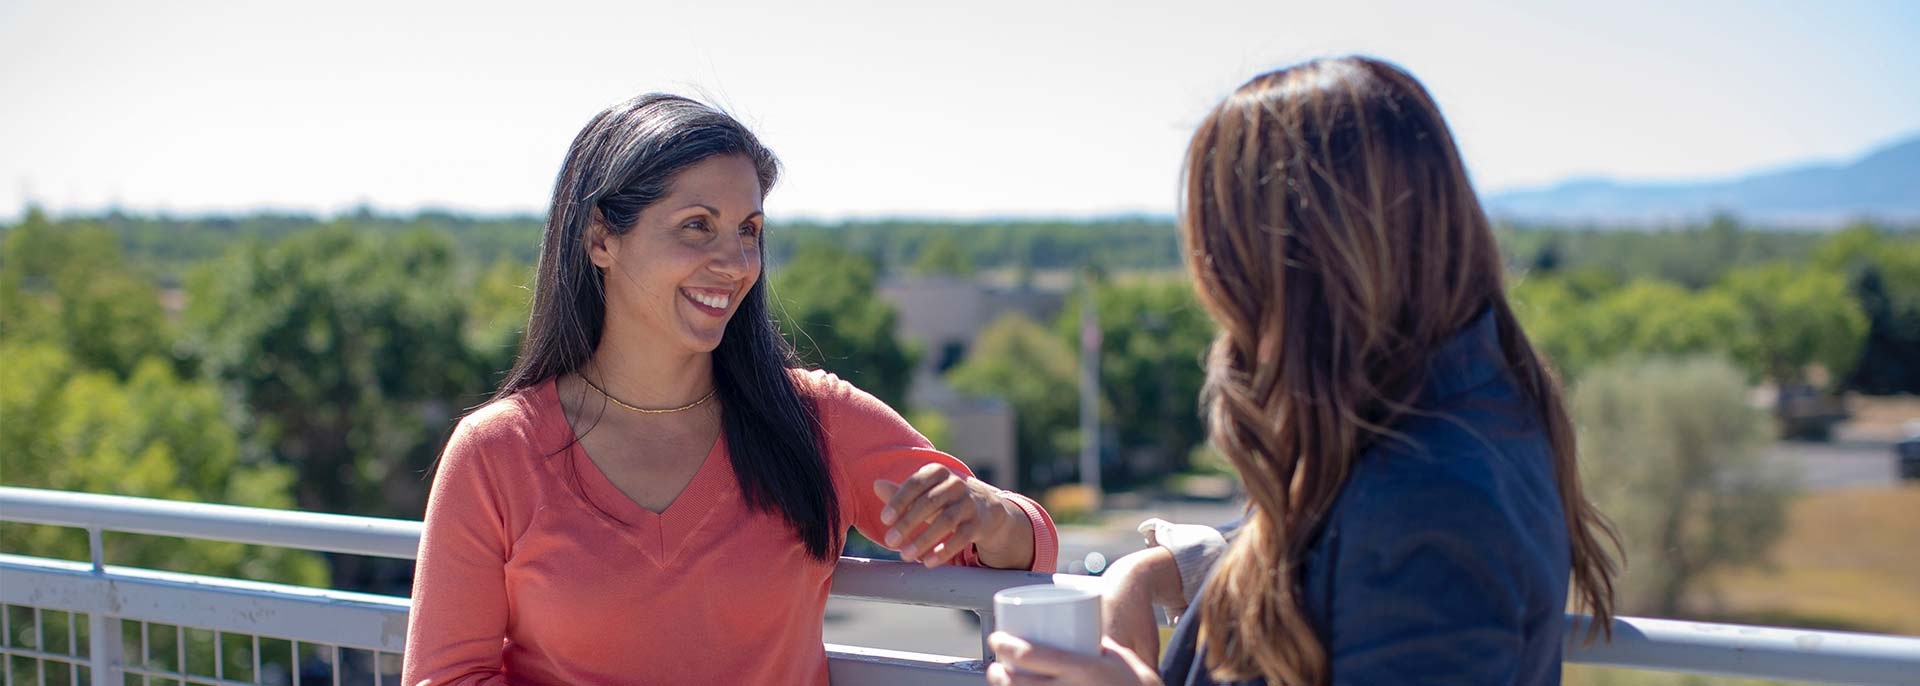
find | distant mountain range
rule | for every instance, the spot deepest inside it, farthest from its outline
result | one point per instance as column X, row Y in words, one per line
column 1884, row 184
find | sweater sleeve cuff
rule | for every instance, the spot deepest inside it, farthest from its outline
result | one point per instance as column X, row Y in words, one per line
column 1046, row 538
column 1195, row 549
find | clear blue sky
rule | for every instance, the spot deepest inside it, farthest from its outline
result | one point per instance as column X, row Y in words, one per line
column 891, row 108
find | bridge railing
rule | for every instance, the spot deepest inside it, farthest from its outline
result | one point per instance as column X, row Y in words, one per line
column 88, row 622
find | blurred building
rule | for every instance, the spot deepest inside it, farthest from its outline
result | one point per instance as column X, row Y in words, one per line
column 943, row 315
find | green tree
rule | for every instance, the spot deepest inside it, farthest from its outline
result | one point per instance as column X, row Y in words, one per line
column 1021, row 362
column 1800, row 317
column 1649, row 318
column 825, row 301
column 154, row 435
column 70, row 284
column 1553, row 315
column 1152, row 336
column 932, row 424
column 346, row 351
column 1578, row 326
column 1856, row 244
column 943, row 256
column 1883, row 274
column 38, row 250
column 497, row 315
column 24, row 315
column 1672, row 452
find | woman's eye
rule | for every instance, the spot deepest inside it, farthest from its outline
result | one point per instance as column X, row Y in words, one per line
column 750, row 231
column 695, row 224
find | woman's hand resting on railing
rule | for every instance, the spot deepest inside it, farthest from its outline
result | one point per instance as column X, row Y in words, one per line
column 951, row 512
column 1019, row 663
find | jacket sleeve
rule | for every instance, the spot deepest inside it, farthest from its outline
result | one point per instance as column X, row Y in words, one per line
column 1195, row 548
column 868, row 441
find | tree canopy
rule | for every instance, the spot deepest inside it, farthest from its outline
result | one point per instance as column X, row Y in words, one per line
column 825, row 301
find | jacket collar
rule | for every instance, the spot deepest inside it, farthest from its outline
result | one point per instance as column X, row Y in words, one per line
column 1469, row 359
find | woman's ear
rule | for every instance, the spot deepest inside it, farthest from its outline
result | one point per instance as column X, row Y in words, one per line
column 601, row 246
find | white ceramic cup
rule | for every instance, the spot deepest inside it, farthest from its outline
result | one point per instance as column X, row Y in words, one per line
column 1057, row 616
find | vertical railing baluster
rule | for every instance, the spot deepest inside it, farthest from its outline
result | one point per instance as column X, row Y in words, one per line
column 180, row 652
column 6, row 639
column 104, row 645
column 39, row 646
column 146, row 654
column 295, row 645
column 219, row 659
column 73, row 651
column 336, row 665
column 986, row 627
column 256, row 660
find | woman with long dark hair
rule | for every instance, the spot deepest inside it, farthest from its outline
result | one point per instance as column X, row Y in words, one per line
column 658, row 493
column 1415, row 511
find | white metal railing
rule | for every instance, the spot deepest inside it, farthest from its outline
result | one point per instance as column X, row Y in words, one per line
column 357, row 638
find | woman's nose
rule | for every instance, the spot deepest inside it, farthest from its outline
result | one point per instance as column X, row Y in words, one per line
column 736, row 258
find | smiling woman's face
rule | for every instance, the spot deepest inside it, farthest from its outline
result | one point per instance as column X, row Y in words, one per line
column 681, row 272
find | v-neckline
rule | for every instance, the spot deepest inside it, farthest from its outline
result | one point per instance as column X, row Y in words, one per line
column 661, row 535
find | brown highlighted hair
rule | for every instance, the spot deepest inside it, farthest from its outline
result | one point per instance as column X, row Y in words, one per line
column 1333, row 234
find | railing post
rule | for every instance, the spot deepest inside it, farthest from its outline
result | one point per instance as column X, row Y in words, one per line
column 103, row 631
column 986, row 627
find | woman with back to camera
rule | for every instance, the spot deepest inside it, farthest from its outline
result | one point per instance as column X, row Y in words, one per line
column 657, row 494
column 1415, row 511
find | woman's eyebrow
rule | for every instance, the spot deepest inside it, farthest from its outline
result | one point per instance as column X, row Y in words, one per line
column 716, row 212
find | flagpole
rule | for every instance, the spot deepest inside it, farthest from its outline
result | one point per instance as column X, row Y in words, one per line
column 1090, row 390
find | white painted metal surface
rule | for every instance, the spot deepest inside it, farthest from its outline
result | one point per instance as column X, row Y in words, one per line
column 859, row 665
column 333, row 621
column 345, row 619
column 1750, row 651
column 281, row 528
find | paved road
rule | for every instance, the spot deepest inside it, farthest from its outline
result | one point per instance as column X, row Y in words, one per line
column 902, row 627
column 1822, row 466
column 1828, row 466
column 952, row 632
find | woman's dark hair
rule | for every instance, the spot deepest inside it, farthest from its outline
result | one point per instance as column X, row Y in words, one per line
column 624, row 160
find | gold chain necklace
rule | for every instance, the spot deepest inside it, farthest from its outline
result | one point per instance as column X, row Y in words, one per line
column 642, row 410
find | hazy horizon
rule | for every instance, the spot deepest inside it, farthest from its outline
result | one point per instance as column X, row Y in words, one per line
column 983, row 217
column 879, row 111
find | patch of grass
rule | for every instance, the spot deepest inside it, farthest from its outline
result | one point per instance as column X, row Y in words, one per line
column 1847, row 562
column 1585, row 675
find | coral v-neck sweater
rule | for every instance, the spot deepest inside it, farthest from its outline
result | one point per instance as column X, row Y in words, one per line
column 535, row 569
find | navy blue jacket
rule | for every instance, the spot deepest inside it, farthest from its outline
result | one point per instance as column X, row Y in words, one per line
column 1444, row 559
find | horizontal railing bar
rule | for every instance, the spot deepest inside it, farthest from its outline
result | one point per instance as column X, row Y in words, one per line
column 184, row 678
column 58, row 584
column 332, row 533
column 960, row 588
column 62, row 658
column 353, row 620
column 1748, row 651
column 898, row 582
column 861, row 665
column 1721, row 649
